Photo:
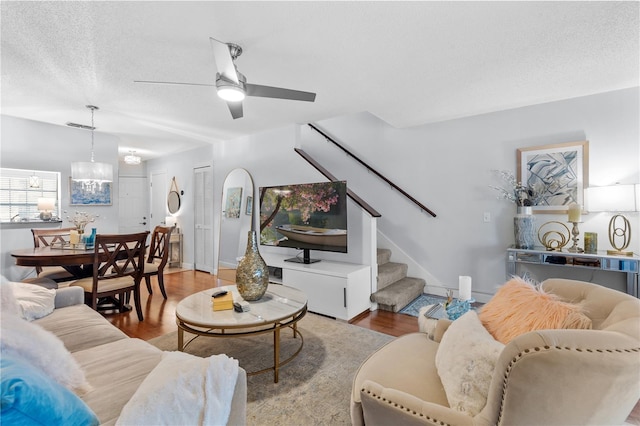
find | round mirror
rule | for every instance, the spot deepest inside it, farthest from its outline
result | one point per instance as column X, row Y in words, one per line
column 173, row 201
column 235, row 222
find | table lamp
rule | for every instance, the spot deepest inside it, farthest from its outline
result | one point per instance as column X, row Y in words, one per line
column 46, row 206
column 616, row 198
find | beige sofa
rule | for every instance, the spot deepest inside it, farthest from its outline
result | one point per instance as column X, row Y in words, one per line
column 115, row 365
column 561, row 377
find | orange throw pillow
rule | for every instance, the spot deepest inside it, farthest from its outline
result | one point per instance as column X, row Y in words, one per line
column 518, row 307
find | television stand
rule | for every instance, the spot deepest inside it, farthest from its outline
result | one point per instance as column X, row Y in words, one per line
column 306, row 258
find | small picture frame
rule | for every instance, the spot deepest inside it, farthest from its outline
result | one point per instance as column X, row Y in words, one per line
column 234, row 200
column 80, row 196
column 249, row 208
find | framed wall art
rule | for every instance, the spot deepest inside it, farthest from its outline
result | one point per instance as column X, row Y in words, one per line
column 234, row 199
column 557, row 174
column 81, row 196
column 249, row 208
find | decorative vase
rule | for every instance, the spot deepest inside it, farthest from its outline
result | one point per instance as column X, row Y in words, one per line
column 252, row 273
column 524, row 228
column 89, row 240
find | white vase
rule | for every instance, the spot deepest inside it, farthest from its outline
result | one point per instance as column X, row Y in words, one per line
column 524, row 228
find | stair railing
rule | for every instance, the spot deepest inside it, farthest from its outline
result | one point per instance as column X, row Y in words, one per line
column 373, row 212
column 372, row 170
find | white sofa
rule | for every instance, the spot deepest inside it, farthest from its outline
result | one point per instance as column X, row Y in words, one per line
column 114, row 364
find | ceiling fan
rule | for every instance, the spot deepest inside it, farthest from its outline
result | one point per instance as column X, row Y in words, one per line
column 232, row 85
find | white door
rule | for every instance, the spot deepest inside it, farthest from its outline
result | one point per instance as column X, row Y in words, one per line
column 158, row 198
column 133, row 214
column 203, row 218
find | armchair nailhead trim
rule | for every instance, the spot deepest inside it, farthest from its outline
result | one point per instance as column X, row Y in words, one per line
column 408, row 410
column 520, row 355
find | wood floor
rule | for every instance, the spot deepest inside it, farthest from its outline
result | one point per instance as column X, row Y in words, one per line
column 159, row 314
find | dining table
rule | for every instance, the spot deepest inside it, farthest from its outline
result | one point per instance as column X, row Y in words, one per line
column 78, row 261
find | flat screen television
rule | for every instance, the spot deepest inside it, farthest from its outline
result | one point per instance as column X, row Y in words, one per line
column 306, row 216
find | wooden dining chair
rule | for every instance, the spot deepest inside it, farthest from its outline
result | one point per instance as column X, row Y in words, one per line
column 48, row 237
column 117, row 270
column 158, row 257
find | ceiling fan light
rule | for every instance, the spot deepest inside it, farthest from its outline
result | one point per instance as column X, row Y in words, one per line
column 231, row 93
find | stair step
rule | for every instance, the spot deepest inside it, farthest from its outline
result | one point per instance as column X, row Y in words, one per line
column 396, row 296
column 384, row 255
column 391, row 272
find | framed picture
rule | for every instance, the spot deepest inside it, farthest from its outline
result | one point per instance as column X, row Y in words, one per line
column 234, row 199
column 249, row 208
column 557, row 173
column 79, row 196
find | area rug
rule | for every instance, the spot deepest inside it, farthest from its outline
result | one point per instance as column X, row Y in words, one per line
column 420, row 301
column 314, row 388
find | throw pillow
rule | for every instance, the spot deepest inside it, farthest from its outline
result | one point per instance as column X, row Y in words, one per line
column 465, row 362
column 35, row 301
column 8, row 302
column 43, row 350
column 519, row 307
column 32, row 398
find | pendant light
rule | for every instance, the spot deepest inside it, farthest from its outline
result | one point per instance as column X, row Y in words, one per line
column 91, row 174
column 132, row 159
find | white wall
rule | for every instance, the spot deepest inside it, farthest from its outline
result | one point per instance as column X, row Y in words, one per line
column 34, row 145
column 447, row 166
column 180, row 166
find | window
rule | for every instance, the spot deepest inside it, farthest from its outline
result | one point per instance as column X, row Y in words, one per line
column 20, row 191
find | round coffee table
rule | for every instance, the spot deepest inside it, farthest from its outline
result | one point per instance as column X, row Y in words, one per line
column 280, row 307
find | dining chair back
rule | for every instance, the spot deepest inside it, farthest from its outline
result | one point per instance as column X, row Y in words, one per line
column 118, row 264
column 158, row 257
column 48, row 237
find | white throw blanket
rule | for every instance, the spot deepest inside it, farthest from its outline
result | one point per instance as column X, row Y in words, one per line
column 184, row 389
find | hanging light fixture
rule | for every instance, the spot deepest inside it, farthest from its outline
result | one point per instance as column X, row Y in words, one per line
column 132, row 159
column 34, row 181
column 91, row 174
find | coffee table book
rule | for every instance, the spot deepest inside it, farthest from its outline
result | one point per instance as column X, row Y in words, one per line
column 222, row 303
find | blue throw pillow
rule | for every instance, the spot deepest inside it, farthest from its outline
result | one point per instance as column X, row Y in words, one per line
column 30, row 397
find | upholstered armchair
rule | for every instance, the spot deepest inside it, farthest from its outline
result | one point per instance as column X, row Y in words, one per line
column 543, row 377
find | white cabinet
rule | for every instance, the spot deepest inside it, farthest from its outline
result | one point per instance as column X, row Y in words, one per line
column 336, row 289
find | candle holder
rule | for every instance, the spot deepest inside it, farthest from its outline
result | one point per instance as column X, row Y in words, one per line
column 575, row 232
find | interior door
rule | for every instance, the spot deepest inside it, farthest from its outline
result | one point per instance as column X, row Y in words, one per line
column 203, row 218
column 133, row 214
column 158, row 198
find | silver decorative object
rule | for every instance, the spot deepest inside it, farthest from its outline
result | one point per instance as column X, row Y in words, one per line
column 252, row 273
column 524, row 228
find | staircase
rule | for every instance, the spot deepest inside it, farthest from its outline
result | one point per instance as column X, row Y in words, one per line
column 395, row 289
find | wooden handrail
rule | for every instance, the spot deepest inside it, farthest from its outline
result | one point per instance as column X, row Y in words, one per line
column 332, row 178
column 374, row 171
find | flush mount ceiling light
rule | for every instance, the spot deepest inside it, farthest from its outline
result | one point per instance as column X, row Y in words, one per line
column 91, row 174
column 132, row 159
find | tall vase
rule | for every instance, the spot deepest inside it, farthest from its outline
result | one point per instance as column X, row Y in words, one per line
column 252, row 274
column 524, row 228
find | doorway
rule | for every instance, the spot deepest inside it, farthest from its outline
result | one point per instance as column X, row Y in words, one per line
column 203, row 218
column 133, row 210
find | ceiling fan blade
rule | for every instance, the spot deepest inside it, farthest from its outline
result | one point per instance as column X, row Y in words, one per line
column 224, row 61
column 278, row 92
column 173, row 82
column 236, row 109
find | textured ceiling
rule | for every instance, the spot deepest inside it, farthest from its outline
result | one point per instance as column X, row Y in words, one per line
column 409, row 63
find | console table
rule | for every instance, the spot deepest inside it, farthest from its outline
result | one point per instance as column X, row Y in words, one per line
column 629, row 265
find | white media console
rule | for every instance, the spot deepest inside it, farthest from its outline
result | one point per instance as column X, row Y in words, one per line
column 336, row 289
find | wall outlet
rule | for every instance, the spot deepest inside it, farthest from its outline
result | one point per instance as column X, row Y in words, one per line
column 486, row 217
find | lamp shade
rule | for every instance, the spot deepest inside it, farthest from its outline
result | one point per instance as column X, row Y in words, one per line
column 170, row 221
column 613, row 198
column 91, row 171
column 46, row 204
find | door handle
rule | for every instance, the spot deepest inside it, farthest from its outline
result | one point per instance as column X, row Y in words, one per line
column 142, row 223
